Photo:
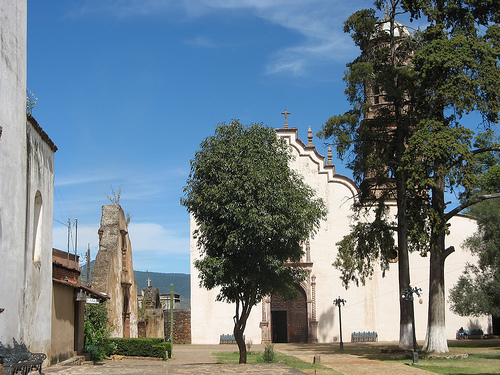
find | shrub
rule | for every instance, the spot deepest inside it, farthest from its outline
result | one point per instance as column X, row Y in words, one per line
column 168, row 348
column 96, row 331
column 269, row 355
column 141, row 347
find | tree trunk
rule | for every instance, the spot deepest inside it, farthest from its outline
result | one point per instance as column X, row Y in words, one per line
column 238, row 335
column 405, row 307
column 435, row 341
column 240, row 322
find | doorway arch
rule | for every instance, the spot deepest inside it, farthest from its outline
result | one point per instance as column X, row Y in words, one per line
column 289, row 318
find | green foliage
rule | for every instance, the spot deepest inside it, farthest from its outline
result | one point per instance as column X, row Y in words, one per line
column 30, row 102
column 413, row 144
column 269, row 356
column 142, row 347
column 168, row 348
column 252, row 212
column 96, row 331
column 478, row 289
column 362, row 249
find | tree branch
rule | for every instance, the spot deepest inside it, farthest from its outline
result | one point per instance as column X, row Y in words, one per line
column 469, row 203
column 448, row 251
column 485, row 149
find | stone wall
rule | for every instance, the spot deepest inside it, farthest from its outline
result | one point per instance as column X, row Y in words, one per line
column 113, row 272
column 182, row 325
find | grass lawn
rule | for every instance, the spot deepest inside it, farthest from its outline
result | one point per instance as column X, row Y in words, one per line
column 256, row 357
column 483, row 357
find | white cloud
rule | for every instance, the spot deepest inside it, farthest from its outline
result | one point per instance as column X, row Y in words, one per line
column 147, row 239
column 318, row 23
column 202, row 41
column 154, row 237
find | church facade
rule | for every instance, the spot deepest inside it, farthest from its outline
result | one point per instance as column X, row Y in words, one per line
column 314, row 317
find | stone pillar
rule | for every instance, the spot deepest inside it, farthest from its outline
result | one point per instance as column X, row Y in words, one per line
column 264, row 324
column 313, row 323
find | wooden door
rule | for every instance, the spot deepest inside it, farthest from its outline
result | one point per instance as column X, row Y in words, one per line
column 293, row 314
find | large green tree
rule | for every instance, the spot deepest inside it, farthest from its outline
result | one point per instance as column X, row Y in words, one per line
column 252, row 213
column 375, row 133
column 458, row 72
column 451, row 69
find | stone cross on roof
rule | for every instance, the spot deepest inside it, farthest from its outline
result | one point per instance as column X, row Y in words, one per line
column 285, row 113
column 149, row 281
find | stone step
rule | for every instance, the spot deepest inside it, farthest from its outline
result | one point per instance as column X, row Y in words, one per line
column 74, row 361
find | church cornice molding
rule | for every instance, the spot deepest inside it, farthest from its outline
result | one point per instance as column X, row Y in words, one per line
column 291, row 135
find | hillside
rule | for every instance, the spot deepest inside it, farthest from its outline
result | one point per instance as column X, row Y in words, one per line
column 159, row 280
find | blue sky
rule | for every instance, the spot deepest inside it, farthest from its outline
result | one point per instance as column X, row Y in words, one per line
column 127, row 90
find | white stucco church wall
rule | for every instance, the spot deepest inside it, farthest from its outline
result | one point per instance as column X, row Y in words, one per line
column 26, row 196
column 373, row 307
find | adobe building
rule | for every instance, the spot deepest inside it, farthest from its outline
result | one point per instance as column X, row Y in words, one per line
column 68, row 302
column 113, row 272
column 26, row 196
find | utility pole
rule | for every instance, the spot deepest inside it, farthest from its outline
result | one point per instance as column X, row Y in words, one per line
column 69, row 233
column 88, row 264
column 76, row 238
column 171, row 313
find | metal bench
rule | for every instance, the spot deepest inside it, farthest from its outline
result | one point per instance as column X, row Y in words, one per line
column 228, row 339
column 471, row 334
column 17, row 359
column 364, row 337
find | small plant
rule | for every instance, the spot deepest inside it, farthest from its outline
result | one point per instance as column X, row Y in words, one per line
column 249, row 344
column 30, row 101
column 269, row 356
column 115, row 195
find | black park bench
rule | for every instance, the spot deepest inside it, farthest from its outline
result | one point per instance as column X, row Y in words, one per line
column 17, row 359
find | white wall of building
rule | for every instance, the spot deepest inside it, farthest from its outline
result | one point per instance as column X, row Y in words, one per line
column 373, row 307
column 26, row 177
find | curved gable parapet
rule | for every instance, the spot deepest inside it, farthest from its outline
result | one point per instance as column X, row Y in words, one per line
column 291, row 136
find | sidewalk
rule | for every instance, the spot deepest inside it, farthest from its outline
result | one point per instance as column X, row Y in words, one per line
column 186, row 359
column 196, row 359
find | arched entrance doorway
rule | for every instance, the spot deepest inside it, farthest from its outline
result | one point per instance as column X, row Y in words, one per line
column 289, row 318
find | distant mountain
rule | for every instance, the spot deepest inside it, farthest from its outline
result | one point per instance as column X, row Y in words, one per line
column 159, row 280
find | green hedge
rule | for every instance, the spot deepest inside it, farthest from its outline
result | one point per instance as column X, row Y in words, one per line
column 141, row 347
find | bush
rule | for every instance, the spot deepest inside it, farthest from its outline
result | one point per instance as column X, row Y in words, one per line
column 168, row 348
column 141, row 347
column 96, row 330
column 269, row 355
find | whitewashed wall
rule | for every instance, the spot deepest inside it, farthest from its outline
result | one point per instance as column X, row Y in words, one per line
column 373, row 307
column 25, row 283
